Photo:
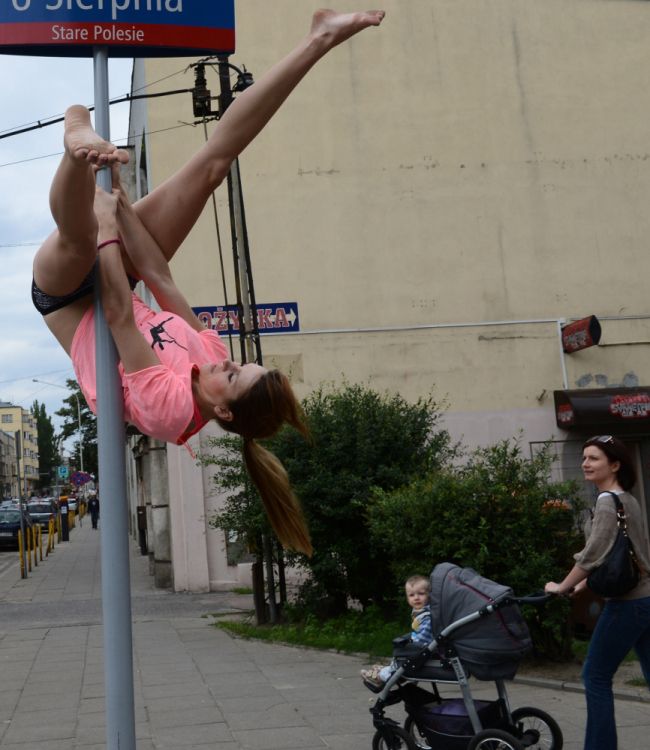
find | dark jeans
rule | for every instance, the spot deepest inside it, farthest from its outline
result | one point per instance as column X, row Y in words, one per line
column 620, row 627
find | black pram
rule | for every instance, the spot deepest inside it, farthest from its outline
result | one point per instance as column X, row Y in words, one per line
column 479, row 632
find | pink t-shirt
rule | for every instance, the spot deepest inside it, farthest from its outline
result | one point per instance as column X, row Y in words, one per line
column 157, row 400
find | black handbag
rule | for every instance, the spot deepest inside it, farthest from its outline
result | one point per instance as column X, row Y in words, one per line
column 619, row 573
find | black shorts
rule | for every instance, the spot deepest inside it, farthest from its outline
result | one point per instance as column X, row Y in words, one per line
column 47, row 303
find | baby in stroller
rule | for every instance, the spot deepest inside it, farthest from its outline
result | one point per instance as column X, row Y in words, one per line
column 478, row 631
column 417, row 590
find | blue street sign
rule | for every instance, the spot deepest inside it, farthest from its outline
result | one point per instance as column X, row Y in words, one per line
column 277, row 317
column 130, row 28
column 62, row 471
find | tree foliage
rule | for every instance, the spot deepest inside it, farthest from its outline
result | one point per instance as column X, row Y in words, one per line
column 48, row 454
column 70, row 427
column 243, row 514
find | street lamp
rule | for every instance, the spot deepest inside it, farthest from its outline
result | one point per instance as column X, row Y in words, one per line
column 81, row 445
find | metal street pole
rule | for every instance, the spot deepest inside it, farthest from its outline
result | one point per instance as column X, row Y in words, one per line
column 251, row 348
column 116, row 584
column 81, row 442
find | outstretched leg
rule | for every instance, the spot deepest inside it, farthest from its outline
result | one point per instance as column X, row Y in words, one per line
column 171, row 210
column 68, row 254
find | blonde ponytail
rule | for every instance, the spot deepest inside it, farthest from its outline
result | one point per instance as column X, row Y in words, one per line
column 259, row 413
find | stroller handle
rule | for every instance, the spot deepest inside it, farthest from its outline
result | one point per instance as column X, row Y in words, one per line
column 506, row 600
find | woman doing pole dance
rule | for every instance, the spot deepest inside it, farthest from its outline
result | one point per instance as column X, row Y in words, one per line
column 175, row 374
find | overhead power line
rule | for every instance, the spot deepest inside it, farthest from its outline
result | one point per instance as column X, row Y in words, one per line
column 40, row 375
column 53, row 118
column 21, row 244
column 53, row 121
column 58, row 153
column 46, row 121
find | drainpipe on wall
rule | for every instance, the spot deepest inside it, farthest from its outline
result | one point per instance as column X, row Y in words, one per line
column 565, row 379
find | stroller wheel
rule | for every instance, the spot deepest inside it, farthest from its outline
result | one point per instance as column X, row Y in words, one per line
column 392, row 738
column 420, row 741
column 537, row 730
column 494, row 739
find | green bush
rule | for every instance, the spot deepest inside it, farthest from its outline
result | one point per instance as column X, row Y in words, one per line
column 498, row 514
column 362, row 440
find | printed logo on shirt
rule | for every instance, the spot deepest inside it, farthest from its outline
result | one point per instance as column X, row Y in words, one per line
column 157, row 336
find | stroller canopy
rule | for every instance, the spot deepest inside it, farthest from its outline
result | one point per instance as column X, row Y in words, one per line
column 490, row 647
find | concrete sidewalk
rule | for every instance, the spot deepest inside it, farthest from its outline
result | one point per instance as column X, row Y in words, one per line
column 195, row 687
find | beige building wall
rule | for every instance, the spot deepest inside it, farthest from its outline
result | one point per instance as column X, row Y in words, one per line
column 437, row 196
column 468, row 162
column 8, row 476
column 16, row 419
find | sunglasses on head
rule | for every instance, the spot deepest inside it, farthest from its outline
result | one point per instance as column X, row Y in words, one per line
column 605, row 439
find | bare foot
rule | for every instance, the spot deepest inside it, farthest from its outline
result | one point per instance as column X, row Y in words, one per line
column 334, row 28
column 82, row 143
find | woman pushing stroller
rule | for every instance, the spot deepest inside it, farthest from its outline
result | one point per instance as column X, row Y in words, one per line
column 624, row 622
column 176, row 377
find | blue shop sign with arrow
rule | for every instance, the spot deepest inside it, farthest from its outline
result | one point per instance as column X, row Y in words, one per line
column 276, row 317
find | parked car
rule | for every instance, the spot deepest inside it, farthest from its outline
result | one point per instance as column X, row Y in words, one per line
column 10, row 526
column 41, row 510
column 72, row 503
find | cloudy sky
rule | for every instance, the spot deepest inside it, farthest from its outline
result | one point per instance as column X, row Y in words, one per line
column 36, row 89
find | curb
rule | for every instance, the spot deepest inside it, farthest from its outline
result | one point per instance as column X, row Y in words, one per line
column 541, row 682
column 577, row 687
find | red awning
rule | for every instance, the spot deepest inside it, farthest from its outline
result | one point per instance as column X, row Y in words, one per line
column 617, row 410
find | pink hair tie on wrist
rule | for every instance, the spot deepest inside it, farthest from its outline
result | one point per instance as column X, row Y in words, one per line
column 109, row 242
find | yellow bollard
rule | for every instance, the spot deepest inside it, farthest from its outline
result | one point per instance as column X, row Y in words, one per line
column 23, row 574
column 28, row 539
column 40, row 541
